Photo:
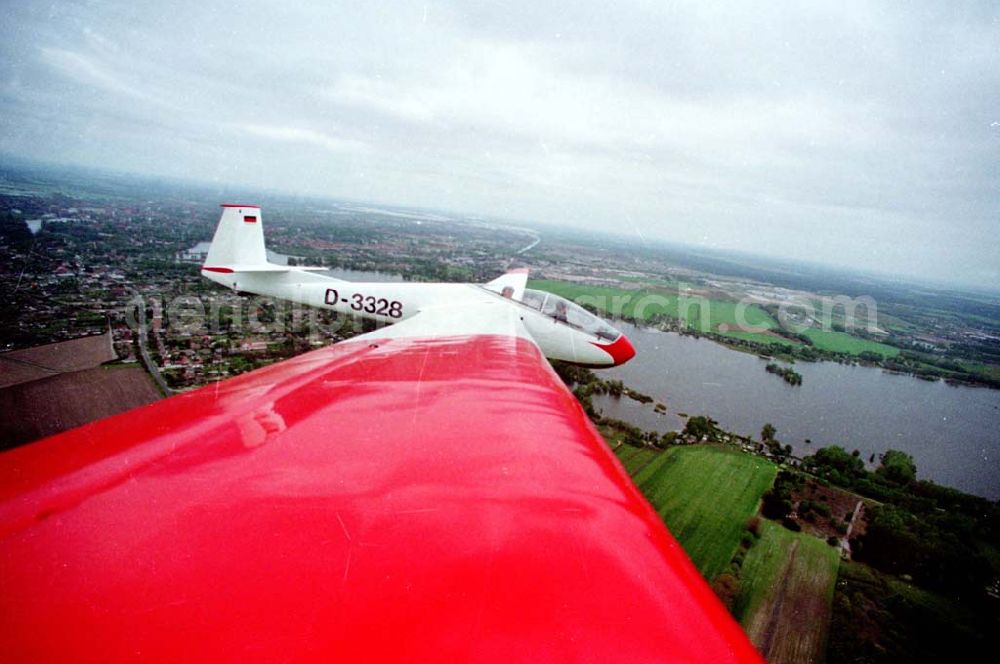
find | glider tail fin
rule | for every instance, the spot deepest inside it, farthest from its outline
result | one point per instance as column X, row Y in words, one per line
column 239, row 239
column 511, row 284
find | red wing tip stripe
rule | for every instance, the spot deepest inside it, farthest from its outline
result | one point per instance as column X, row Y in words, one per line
column 224, row 270
column 239, row 205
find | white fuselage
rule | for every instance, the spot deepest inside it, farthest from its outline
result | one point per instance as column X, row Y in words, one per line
column 393, row 302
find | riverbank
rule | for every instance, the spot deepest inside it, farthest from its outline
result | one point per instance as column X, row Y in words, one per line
column 953, row 432
column 712, row 316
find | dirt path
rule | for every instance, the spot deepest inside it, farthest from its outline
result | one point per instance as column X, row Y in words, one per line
column 845, row 543
column 774, row 616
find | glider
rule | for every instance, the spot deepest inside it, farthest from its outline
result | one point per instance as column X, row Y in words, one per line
column 426, row 492
column 561, row 329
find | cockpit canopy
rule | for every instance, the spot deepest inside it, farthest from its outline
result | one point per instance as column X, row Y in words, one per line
column 567, row 312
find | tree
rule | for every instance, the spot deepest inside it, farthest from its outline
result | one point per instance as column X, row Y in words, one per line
column 700, row 427
column 836, row 465
column 767, row 433
column 726, row 587
column 889, row 542
column 775, row 505
column 897, row 467
column 15, row 232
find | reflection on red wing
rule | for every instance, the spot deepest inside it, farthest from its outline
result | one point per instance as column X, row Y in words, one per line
column 426, row 500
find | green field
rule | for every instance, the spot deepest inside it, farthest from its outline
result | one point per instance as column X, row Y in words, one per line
column 635, row 458
column 760, row 337
column 842, row 342
column 786, row 589
column 705, row 315
column 644, row 303
column 705, row 494
column 987, row 370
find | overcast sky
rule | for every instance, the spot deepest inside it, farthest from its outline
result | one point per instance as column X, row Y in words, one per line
column 862, row 134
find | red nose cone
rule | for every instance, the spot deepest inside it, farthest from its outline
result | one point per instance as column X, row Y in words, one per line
column 621, row 351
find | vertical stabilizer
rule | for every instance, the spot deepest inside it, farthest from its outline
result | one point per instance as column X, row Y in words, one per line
column 239, row 239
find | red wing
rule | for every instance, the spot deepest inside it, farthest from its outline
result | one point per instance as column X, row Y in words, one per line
column 419, row 499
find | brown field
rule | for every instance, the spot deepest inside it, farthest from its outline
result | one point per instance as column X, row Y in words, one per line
column 841, row 503
column 40, row 362
column 44, row 407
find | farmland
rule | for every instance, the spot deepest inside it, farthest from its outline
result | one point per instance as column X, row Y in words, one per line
column 644, row 304
column 786, row 587
column 49, row 405
column 705, row 494
column 707, row 314
column 635, row 458
column 789, row 590
column 841, row 342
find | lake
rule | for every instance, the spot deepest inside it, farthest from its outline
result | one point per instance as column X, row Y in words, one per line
column 952, row 432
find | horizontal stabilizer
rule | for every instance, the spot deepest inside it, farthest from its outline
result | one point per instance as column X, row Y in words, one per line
column 266, row 267
column 230, row 269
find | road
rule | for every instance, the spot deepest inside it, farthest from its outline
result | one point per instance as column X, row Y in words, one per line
column 530, row 246
column 151, row 367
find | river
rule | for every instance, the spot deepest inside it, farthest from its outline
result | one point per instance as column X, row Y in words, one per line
column 952, row 432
